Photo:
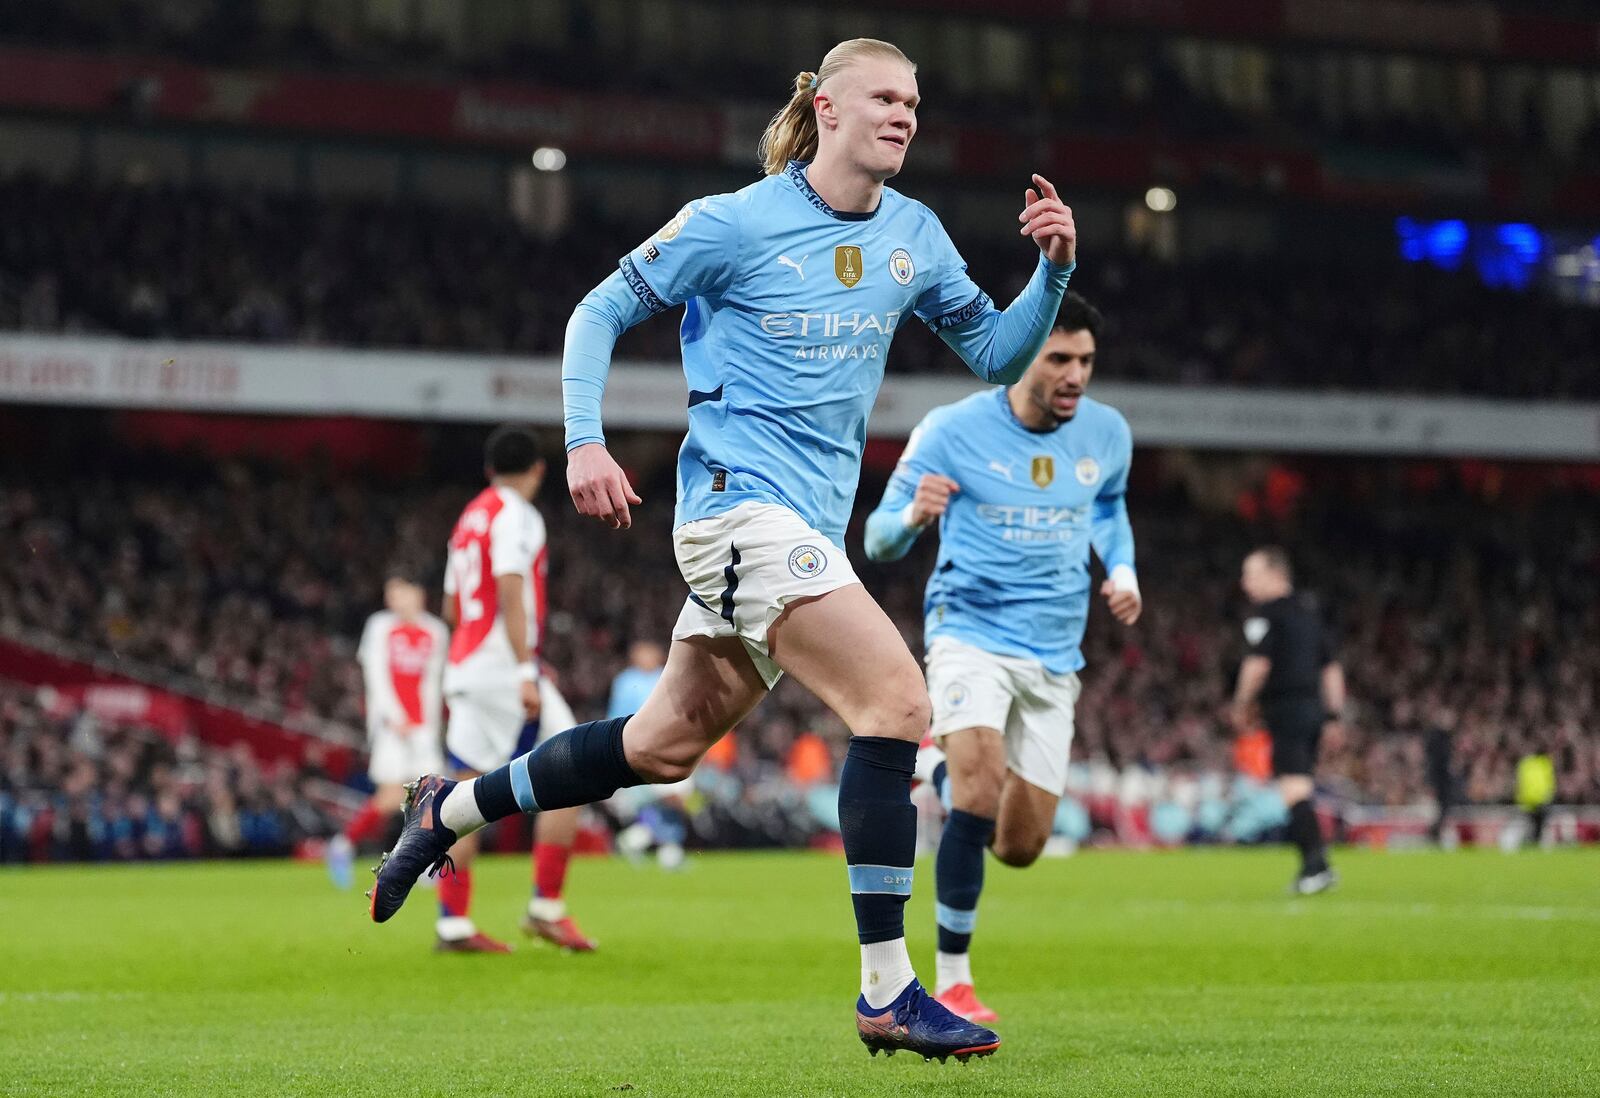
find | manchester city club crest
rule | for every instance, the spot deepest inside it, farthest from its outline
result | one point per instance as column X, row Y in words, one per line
column 1043, row 470
column 901, row 269
column 807, row 561
column 1087, row 471
column 847, row 264
column 956, row 695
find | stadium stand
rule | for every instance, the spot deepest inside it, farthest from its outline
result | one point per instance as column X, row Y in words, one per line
column 200, row 263
column 78, row 788
column 246, row 581
column 257, row 575
column 1125, row 79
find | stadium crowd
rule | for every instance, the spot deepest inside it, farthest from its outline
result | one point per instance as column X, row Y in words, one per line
column 1468, row 607
column 73, row 788
column 1097, row 79
column 196, row 263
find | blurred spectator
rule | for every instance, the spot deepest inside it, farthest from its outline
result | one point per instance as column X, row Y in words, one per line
column 646, row 660
column 252, row 580
column 1113, row 78
column 197, row 263
column 75, row 790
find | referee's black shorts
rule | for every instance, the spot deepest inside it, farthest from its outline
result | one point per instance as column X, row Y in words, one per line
column 1296, row 731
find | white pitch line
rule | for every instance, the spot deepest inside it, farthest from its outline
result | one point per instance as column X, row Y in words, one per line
column 9, row 997
column 1377, row 907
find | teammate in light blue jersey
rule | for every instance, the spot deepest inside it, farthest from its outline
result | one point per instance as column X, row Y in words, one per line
column 1023, row 482
column 791, row 290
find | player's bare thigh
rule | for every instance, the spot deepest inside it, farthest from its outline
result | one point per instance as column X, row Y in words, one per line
column 708, row 686
column 844, row 649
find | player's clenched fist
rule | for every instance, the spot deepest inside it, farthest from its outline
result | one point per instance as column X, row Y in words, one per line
column 932, row 498
column 1049, row 221
column 599, row 487
column 1123, row 602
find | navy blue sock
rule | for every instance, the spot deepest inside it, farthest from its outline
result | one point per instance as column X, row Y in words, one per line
column 879, row 827
column 1306, row 833
column 959, row 878
column 941, row 781
column 582, row 765
column 493, row 793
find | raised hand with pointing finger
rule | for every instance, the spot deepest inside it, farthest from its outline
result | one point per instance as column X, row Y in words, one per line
column 1049, row 221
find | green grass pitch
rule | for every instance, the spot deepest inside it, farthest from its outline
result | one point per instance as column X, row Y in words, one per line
column 1188, row 972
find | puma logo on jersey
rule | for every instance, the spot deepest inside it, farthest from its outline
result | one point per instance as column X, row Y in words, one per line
column 785, row 261
column 1003, row 470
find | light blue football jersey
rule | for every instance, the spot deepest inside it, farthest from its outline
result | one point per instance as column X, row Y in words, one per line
column 789, row 310
column 1012, row 575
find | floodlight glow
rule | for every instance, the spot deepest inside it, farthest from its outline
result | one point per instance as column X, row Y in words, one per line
column 549, row 159
column 1161, row 199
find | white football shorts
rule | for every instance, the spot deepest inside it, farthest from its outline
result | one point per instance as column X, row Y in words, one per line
column 485, row 726
column 1031, row 706
column 744, row 566
column 394, row 759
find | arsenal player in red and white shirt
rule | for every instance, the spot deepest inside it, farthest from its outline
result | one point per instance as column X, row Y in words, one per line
column 495, row 601
column 402, row 656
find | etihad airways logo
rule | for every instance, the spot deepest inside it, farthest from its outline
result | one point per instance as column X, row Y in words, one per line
column 1035, row 523
column 828, row 325
column 1007, row 515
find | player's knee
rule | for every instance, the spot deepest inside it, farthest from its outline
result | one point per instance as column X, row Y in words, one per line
column 899, row 713
column 660, row 760
column 920, row 715
column 975, row 787
column 977, row 772
column 1018, row 851
column 661, row 766
column 979, row 800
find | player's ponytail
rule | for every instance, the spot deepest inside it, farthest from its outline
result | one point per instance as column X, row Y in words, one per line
column 792, row 133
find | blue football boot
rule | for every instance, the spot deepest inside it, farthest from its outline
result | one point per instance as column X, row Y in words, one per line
column 920, row 1023
column 423, row 845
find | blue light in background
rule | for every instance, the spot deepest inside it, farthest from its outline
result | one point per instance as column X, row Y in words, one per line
column 1502, row 255
column 1524, row 240
column 1446, row 243
column 1410, row 234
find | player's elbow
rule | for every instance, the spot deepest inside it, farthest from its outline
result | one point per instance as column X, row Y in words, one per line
column 1005, row 365
column 588, row 314
column 1007, row 373
column 597, row 310
column 984, row 362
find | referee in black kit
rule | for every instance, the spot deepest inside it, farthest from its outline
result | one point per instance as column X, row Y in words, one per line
column 1292, row 672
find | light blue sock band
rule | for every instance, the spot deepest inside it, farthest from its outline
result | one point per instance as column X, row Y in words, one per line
column 882, row 880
